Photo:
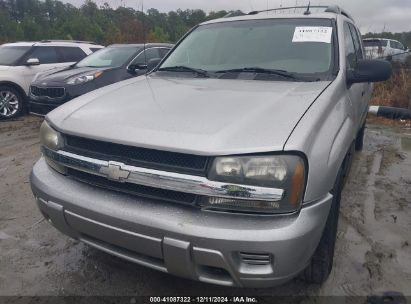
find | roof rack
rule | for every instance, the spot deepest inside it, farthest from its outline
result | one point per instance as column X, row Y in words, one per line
column 72, row 41
column 328, row 9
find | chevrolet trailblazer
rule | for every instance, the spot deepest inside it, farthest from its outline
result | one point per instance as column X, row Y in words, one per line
column 226, row 163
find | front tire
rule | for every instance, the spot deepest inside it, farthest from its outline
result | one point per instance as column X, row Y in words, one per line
column 11, row 102
column 321, row 263
column 359, row 141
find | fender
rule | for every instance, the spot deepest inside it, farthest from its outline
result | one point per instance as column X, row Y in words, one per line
column 16, row 87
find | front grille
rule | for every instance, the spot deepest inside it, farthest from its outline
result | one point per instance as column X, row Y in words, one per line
column 133, row 189
column 47, row 92
column 140, row 157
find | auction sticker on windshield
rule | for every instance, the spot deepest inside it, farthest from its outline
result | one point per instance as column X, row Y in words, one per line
column 312, row 34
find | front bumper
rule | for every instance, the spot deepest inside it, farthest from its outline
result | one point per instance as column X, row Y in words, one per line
column 42, row 105
column 220, row 248
column 42, row 108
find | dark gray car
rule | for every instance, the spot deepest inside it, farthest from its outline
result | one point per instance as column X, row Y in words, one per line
column 110, row 65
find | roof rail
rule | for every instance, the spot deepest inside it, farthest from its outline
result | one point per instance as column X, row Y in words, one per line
column 72, row 41
column 328, row 9
column 338, row 10
column 234, row 14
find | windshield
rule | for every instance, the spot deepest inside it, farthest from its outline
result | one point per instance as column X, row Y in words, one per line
column 375, row 43
column 108, row 57
column 9, row 55
column 300, row 46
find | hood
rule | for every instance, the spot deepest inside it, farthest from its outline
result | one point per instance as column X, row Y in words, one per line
column 197, row 116
column 4, row 68
column 60, row 75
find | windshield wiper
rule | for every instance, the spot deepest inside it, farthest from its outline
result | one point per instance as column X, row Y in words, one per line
column 259, row 70
column 182, row 68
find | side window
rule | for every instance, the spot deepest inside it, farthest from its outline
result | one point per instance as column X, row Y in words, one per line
column 45, row 54
column 350, row 54
column 399, row 46
column 150, row 54
column 95, row 49
column 70, row 54
column 163, row 52
column 357, row 42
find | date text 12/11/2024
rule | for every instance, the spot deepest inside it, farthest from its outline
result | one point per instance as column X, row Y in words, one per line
column 198, row 299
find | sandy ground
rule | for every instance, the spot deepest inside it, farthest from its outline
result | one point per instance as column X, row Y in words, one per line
column 373, row 251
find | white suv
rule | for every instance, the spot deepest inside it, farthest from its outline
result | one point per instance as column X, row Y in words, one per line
column 21, row 61
column 385, row 49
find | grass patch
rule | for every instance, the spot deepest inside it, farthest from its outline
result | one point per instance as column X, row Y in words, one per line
column 395, row 92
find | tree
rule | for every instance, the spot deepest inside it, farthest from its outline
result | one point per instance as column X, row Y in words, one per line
column 52, row 19
column 158, row 35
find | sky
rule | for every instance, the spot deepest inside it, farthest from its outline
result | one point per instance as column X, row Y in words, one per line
column 370, row 15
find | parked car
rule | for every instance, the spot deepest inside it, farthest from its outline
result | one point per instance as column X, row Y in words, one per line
column 21, row 61
column 385, row 48
column 112, row 64
column 227, row 162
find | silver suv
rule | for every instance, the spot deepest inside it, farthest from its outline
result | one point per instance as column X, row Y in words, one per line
column 378, row 48
column 224, row 165
column 20, row 62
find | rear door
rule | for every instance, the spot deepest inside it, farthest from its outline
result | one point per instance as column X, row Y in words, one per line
column 70, row 54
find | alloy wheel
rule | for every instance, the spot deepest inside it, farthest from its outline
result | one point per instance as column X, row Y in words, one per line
column 9, row 103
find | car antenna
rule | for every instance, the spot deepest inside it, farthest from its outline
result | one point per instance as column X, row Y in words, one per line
column 307, row 12
column 144, row 36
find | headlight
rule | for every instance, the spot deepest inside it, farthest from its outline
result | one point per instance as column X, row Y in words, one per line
column 50, row 139
column 285, row 172
column 84, row 78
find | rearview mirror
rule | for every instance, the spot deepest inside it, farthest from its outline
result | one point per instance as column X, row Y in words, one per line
column 33, row 61
column 370, row 71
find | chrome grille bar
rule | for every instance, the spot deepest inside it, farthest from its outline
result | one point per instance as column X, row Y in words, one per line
column 120, row 172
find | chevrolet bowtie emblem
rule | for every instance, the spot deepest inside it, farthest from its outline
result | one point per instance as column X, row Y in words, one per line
column 115, row 172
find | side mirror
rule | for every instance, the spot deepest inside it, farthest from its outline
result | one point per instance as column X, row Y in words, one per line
column 136, row 68
column 370, row 71
column 33, row 61
column 153, row 63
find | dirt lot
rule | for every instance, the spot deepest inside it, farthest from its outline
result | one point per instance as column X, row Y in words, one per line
column 373, row 251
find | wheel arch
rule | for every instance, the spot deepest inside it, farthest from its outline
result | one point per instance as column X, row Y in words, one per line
column 17, row 87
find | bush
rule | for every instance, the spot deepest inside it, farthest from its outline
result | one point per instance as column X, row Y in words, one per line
column 396, row 92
